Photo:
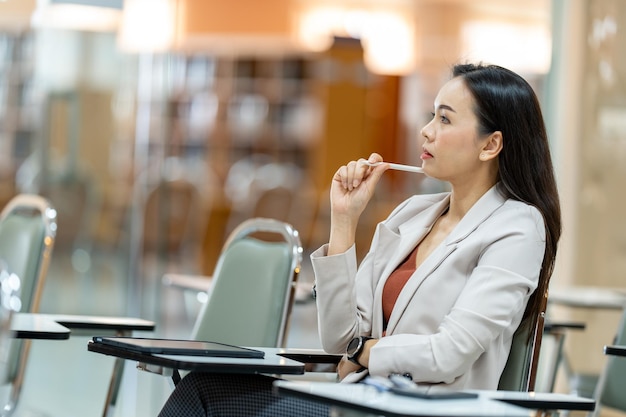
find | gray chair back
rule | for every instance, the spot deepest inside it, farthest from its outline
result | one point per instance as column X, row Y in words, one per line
column 27, row 235
column 253, row 287
column 520, row 370
column 27, row 232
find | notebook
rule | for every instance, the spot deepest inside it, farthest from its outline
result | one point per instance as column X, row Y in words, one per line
column 179, row 347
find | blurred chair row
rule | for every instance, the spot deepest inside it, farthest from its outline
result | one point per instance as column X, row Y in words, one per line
column 173, row 204
column 181, row 235
column 260, row 313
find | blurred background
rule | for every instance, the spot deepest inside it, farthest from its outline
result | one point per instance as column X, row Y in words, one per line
column 156, row 126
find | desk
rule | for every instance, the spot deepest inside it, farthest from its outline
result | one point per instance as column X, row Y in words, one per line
column 272, row 363
column 105, row 325
column 368, row 400
column 60, row 326
column 542, row 400
column 119, row 325
column 35, row 326
column 588, row 297
column 615, row 350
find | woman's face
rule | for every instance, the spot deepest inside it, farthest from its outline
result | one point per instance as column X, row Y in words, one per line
column 452, row 145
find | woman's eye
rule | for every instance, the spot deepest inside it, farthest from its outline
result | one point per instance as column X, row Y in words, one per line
column 442, row 118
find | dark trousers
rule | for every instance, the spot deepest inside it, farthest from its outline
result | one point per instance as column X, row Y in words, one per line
column 235, row 395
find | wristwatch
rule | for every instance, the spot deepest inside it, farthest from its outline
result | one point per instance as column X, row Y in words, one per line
column 355, row 348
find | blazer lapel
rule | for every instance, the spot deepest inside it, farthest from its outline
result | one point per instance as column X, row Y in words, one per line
column 481, row 210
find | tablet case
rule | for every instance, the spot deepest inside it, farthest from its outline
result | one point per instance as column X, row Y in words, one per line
column 179, row 347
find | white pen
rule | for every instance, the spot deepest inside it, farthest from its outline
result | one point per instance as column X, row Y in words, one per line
column 399, row 167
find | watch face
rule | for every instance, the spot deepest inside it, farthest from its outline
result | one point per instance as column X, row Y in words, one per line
column 353, row 346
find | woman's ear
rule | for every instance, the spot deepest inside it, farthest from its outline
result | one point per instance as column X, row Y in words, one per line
column 492, row 146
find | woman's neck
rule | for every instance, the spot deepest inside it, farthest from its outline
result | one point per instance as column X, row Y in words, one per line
column 463, row 198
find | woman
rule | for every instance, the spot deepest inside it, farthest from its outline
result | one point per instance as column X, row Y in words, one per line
column 449, row 277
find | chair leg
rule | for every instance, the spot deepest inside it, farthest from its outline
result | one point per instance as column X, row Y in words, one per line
column 115, row 382
column 114, row 385
column 176, row 377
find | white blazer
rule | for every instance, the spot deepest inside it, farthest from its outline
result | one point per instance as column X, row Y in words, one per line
column 454, row 320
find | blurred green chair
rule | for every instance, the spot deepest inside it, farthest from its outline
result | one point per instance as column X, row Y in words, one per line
column 28, row 225
column 252, row 290
column 27, row 233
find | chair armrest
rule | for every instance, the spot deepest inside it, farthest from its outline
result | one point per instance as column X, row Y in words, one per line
column 200, row 283
column 616, row 350
column 551, row 326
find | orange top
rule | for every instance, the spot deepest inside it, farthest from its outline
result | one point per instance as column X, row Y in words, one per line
column 394, row 285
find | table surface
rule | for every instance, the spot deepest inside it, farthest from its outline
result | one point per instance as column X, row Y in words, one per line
column 542, row 400
column 60, row 326
column 589, row 297
column 35, row 326
column 272, row 363
column 101, row 322
column 617, row 350
column 369, row 400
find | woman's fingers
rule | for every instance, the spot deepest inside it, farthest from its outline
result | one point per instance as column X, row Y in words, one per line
column 353, row 173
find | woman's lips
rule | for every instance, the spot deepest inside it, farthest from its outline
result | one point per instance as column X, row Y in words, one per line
column 426, row 155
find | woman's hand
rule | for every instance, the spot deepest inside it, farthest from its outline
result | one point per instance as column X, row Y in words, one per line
column 345, row 367
column 352, row 188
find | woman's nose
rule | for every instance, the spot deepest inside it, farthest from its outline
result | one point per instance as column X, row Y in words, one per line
column 425, row 132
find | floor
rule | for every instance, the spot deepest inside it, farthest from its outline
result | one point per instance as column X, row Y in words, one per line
column 64, row 379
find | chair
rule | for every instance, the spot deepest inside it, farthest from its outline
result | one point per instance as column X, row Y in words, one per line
column 258, row 187
column 593, row 298
column 252, row 289
column 27, row 236
column 27, row 232
column 551, row 356
column 168, row 224
column 520, row 371
column 609, row 390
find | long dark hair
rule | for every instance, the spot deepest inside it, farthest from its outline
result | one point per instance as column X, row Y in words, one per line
column 505, row 102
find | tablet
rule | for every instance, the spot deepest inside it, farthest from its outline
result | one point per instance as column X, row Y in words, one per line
column 179, row 347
